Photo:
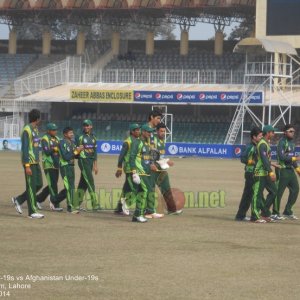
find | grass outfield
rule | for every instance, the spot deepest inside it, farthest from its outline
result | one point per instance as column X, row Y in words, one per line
column 202, row 254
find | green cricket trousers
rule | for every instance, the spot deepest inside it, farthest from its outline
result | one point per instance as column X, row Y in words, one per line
column 287, row 179
column 34, row 183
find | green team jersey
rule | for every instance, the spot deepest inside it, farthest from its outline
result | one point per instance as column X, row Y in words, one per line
column 249, row 154
column 263, row 165
column 139, row 158
column 30, row 145
column 67, row 152
column 50, row 151
column 125, row 154
column 160, row 146
column 152, row 138
column 89, row 143
column 286, row 153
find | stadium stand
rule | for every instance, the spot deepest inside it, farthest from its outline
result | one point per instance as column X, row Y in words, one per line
column 37, row 63
column 201, row 65
column 43, row 61
column 169, row 59
column 203, row 128
column 11, row 66
column 95, row 49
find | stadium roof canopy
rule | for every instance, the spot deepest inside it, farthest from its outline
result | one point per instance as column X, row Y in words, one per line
column 75, row 10
column 258, row 45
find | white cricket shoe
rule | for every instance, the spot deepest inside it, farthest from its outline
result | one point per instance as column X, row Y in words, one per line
column 53, row 208
column 125, row 209
column 17, row 205
column 139, row 219
column 291, row 217
column 36, row 216
column 277, row 217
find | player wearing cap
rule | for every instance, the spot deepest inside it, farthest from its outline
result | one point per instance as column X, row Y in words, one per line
column 30, row 160
column 87, row 162
column 123, row 162
column 140, row 164
column 68, row 152
column 249, row 158
column 50, row 160
column 264, row 178
column 287, row 178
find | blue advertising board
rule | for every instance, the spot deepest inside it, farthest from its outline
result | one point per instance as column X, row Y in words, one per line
column 189, row 149
column 175, row 149
column 200, row 150
column 109, row 147
column 195, row 97
column 172, row 149
column 10, row 144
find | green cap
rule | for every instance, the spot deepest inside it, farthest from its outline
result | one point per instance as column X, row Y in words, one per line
column 268, row 128
column 87, row 122
column 146, row 127
column 51, row 126
column 134, row 126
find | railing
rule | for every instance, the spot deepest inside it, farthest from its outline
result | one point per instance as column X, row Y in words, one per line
column 9, row 127
column 44, row 78
column 176, row 76
column 73, row 69
column 267, row 69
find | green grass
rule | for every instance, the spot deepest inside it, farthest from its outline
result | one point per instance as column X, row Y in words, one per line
column 201, row 254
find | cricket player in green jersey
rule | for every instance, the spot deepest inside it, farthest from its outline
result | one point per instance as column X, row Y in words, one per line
column 140, row 164
column 249, row 158
column 154, row 119
column 50, row 159
column 264, row 178
column 68, row 152
column 287, row 178
column 30, row 160
column 123, row 164
column 161, row 176
column 87, row 162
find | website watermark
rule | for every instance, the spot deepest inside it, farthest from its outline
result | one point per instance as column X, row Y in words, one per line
column 109, row 199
